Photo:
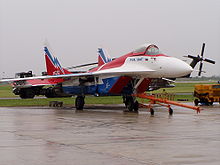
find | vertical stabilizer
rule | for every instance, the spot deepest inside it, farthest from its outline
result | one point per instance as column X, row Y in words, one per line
column 52, row 64
column 103, row 58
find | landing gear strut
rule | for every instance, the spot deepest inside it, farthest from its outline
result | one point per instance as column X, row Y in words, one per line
column 131, row 103
column 79, row 102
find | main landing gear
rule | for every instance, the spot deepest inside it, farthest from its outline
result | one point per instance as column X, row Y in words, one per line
column 79, row 102
column 131, row 103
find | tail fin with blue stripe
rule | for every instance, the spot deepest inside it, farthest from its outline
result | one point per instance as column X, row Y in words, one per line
column 52, row 64
column 103, row 58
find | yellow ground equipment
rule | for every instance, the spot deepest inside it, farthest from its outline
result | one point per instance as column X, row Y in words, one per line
column 207, row 94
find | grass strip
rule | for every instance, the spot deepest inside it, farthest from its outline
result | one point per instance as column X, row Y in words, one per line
column 67, row 101
column 71, row 101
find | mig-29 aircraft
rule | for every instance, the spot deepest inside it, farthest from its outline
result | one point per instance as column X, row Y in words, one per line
column 141, row 70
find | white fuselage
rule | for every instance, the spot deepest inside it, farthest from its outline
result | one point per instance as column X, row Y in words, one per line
column 163, row 66
column 151, row 67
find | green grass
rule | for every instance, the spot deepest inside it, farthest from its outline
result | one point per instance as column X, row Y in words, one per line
column 6, row 92
column 67, row 101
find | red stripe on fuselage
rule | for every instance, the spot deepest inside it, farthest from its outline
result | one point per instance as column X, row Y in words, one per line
column 119, row 85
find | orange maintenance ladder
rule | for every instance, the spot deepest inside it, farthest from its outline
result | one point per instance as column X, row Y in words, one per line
column 163, row 101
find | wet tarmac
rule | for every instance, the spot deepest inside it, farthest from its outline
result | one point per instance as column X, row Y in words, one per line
column 108, row 136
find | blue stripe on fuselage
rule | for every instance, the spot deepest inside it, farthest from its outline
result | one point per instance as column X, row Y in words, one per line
column 101, row 89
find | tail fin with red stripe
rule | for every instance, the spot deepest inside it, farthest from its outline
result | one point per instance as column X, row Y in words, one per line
column 52, row 64
column 103, row 58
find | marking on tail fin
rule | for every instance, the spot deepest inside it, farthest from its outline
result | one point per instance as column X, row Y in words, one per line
column 102, row 57
column 53, row 65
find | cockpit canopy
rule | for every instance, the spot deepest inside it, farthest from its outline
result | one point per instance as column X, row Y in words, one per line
column 148, row 49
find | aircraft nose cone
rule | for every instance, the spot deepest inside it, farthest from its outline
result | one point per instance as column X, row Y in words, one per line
column 184, row 68
column 179, row 68
column 187, row 67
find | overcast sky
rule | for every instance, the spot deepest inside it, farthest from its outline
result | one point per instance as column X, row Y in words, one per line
column 75, row 28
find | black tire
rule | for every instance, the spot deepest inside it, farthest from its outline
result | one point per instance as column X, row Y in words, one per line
column 196, row 102
column 170, row 111
column 50, row 93
column 152, row 111
column 126, row 100
column 22, row 95
column 130, row 103
column 130, row 106
column 30, row 93
column 27, row 93
column 79, row 102
column 136, row 106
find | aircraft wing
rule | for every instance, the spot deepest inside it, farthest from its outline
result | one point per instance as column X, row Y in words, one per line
column 54, row 79
column 43, row 80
